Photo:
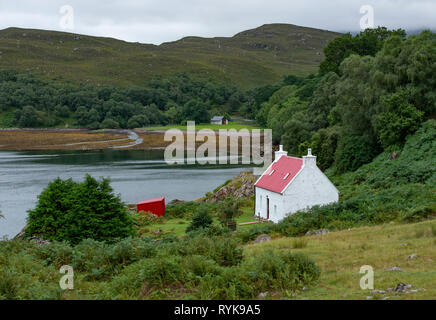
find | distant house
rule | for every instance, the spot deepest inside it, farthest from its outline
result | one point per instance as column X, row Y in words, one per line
column 219, row 120
column 291, row 184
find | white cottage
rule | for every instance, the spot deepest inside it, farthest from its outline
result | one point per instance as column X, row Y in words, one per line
column 291, row 184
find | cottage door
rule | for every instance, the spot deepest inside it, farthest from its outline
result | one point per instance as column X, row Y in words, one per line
column 267, row 208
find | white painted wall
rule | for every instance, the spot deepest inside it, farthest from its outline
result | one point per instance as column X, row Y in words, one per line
column 309, row 187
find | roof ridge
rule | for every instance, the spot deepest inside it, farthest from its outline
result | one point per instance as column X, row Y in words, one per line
column 281, row 172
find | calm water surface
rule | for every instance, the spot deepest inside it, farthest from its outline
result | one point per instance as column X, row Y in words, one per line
column 135, row 175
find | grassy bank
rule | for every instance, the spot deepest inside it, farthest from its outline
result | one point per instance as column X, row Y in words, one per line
column 214, row 266
column 341, row 254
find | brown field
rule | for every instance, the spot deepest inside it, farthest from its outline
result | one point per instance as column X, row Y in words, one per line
column 60, row 139
column 80, row 139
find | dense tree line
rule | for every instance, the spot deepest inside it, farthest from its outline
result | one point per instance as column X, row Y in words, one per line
column 364, row 100
column 40, row 103
column 372, row 90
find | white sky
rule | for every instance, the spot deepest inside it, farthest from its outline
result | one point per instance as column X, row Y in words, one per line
column 157, row 21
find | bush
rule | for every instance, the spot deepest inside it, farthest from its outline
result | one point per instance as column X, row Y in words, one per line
column 101, row 260
column 55, row 253
column 224, row 250
column 200, row 266
column 70, row 211
column 22, row 276
column 251, row 233
column 145, row 277
column 229, row 209
column 202, row 219
column 146, row 218
column 283, row 270
column 263, row 272
column 232, row 283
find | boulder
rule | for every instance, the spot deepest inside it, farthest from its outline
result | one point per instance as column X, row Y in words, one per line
column 401, row 287
column 262, row 238
column 38, row 240
column 395, row 269
column 317, row 232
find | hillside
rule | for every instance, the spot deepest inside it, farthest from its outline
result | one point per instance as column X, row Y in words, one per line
column 248, row 59
column 410, row 247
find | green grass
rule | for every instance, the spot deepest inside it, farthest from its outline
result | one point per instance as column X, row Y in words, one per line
column 215, row 127
column 249, row 59
column 174, row 226
column 341, row 254
column 177, row 226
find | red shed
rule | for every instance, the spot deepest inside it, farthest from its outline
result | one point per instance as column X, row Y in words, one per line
column 156, row 206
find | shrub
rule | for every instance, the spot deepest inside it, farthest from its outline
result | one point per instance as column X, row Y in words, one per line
column 419, row 213
column 283, row 270
column 229, row 209
column 70, row 211
column 200, row 266
column 232, row 283
column 224, row 250
column 202, row 219
column 265, row 271
column 251, row 233
column 180, row 209
column 55, row 253
column 24, row 277
column 102, row 260
column 143, row 277
column 143, row 218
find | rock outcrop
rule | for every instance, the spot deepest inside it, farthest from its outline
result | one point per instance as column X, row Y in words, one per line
column 241, row 186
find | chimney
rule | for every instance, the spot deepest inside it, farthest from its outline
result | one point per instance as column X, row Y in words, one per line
column 280, row 153
column 309, row 160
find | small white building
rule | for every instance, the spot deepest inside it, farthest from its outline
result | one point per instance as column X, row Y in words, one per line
column 291, row 184
column 219, row 120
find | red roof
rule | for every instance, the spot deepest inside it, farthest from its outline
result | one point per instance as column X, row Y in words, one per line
column 279, row 174
column 152, row 200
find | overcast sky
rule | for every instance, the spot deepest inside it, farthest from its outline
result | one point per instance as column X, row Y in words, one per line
column 157, row 21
